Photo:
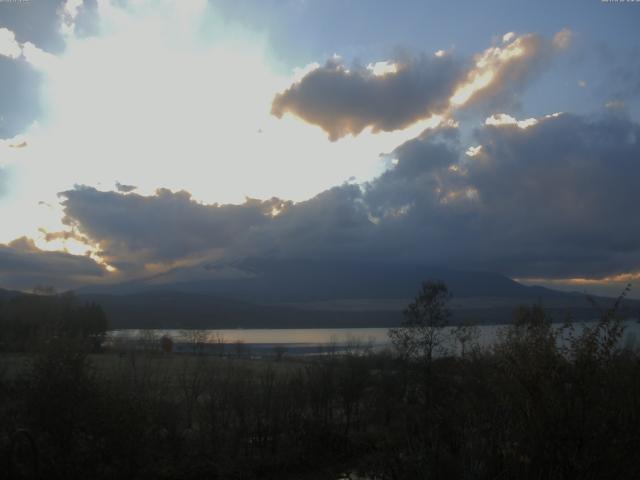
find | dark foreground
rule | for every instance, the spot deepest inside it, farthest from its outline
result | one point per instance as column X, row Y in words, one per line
column 525, row 409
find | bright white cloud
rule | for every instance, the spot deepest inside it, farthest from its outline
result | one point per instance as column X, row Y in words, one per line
column 507, row 37
column 68, row 15
column 9, row 46
column 380, row 69
column 500, row 119
column 473, row 150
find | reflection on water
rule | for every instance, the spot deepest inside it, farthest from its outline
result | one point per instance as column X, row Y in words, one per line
column 314, row 336
column 309, row 340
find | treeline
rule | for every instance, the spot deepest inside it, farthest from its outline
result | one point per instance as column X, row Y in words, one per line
column 529, row 407
column 26, row 320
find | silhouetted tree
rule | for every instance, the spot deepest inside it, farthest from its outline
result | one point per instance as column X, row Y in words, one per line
column 466, row 334
column 421, row 333
column 29, row 320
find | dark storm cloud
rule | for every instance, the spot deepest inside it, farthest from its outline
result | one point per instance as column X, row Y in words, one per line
column 343, row 101
column 133, row 230
column 421, row 169
column 561, row 194
column 556, row 199
column 23, row 265
column 334, row 223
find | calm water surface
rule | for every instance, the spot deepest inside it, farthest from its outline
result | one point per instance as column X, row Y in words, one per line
column 311, row 339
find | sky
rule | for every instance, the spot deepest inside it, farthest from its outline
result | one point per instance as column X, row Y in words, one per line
column 138, row 136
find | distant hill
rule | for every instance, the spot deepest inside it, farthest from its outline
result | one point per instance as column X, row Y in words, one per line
column 276, row 281
column 7, row 294
column 267, row 293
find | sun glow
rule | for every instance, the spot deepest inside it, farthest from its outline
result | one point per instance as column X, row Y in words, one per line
column 474, row 151
column 154, row 99
column 148, row 102
column 380, row 69
column 500, row 119
column 476, row 82
column 618, row 278
column 488, row 66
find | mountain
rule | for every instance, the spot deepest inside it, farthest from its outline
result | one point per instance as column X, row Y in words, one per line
column 269, row 293
column 265, row 280
column 8, row 294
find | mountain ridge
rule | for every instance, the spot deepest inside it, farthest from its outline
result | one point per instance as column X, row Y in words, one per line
column 276, row 293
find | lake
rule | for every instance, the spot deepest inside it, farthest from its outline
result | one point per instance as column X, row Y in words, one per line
column 310, row 340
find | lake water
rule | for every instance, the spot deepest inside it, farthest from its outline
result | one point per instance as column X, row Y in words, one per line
column 311, row 340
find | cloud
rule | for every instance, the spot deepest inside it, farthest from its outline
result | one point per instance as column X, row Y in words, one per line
column 134, row 232
column 36, row 22
column 29, row 32
column 23, row 265
column 559, row 193
column 46, row 23
column 562, row 39
column 141, row 234
column 345, row 101
column 551, row 199
column 333, row 224
column 9, row 47
column 3, row 181
column 392, row 95
column 125, row 188
column 546, row 198
column 68, row 14
column 202, row 97
column 502, row 71
column 63, row 235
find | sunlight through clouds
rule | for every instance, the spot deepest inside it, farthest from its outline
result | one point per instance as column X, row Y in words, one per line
column 380, row 69
column 150, row 102
column 170, row 103
column 492, row 65
column 504, row 119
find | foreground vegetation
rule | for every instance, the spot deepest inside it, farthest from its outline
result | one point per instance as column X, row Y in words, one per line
column 530, row 407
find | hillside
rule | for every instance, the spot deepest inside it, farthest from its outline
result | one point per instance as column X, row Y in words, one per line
column 264, row 293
